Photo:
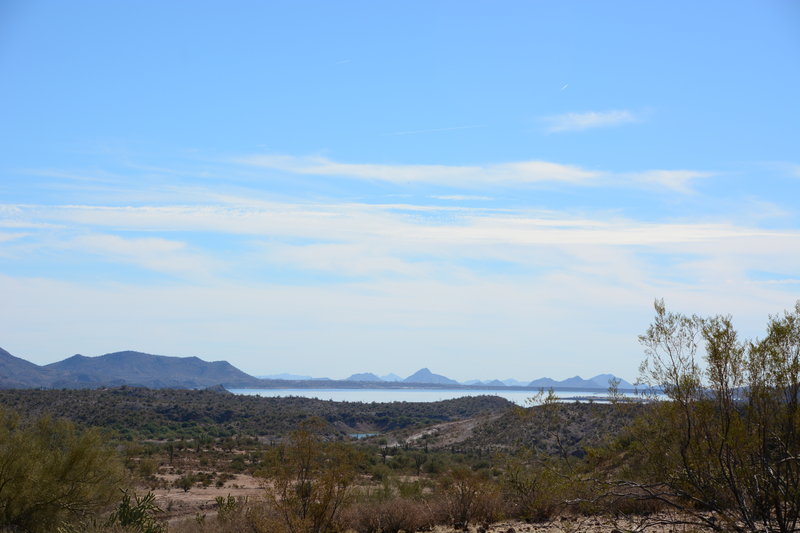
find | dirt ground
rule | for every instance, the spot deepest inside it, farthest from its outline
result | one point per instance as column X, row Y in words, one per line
column 179, row 505
column 580, row 525
column 447, row 433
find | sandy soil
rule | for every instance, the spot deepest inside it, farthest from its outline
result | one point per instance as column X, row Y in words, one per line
column 589, row 524
column 448, row 433
column 179, row 505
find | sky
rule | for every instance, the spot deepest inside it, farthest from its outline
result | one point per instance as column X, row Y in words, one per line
column 487, row 189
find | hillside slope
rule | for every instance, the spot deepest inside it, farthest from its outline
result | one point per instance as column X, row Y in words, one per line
column 18, row 373
column 155, row 371
column 121, row 368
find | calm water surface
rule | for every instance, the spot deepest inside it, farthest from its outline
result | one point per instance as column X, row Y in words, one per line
column 412, row 395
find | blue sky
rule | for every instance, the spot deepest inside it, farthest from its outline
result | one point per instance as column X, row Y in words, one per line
column 489, row 189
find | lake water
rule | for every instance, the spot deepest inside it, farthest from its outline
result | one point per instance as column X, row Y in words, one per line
column 415, row 395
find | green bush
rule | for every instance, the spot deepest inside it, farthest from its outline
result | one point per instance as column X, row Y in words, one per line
column 53, row 475
column 137, row 514
column 728, row 439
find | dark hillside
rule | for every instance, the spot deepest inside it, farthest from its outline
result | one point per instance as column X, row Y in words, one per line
column 568, row 428
column 174, row 413
column 155, row 371
column 19, row 373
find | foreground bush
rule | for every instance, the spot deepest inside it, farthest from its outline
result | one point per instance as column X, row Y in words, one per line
column 726, row 447
column 137, row 514
column 389, row 516
column 470, row 498
column 52, row 474
column 308, row 482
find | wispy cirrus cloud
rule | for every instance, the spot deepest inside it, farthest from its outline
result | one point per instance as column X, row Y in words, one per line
column 151, row 253
column 676, row 180
column 382, row 274
column 589, row 120
column 513, row 173
column 510, row 174
column 5, row 237
column 416, row 228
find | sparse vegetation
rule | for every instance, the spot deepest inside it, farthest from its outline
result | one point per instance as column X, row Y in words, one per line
column 137, row 414
column 719, row 454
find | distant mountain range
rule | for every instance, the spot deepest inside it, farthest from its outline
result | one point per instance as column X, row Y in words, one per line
column 577, row 382
column 424, row 375
column 160, row 371
column 122, row 368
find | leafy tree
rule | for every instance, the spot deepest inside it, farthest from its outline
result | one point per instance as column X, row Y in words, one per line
column 725, row 447
column 52, row 474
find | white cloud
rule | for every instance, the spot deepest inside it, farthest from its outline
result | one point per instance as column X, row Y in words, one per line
column 157, row 254
column 418, row 297
column 416, row 242
column 589, row 120
column 5, row 237
column 355, row 259
column 676, row 180
column 354, row 222
column 498, row 328
column 512, row 174
column 515, row 173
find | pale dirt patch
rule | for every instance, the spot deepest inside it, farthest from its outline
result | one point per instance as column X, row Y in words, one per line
column 585, row 524
column 448, row 433
column 179, row 505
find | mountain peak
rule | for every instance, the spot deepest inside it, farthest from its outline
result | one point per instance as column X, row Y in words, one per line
column 364, row 376
column 604, row 380
column 16, row 372
column 423, row 375
column 157, row 371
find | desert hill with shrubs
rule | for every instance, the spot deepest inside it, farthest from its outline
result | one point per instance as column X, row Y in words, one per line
column 122, row 368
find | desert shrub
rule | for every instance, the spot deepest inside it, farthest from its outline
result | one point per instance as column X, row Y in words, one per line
column 147, row 467
column 534, row 489
column 728, row 439
column 137, row 514
column 433, row 465
column 235, row 516
column 52, row 474
column 389, row 516
column 185, row 482
column 410, row 489
column 469, row 498
column 231, row 509
column 309, row 481
column 380, row 472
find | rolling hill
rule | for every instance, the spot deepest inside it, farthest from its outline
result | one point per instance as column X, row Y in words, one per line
column 122, row 368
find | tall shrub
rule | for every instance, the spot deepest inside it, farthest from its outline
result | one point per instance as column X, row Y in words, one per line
column 52, row 474
column 725, row 446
